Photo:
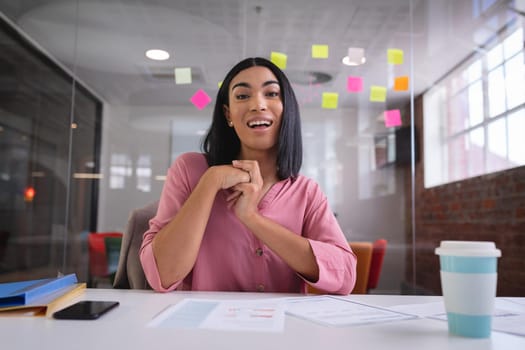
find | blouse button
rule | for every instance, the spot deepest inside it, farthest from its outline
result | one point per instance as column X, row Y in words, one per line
column 260, row 287
column 259, row 251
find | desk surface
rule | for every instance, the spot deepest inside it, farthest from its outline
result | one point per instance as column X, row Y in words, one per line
column 125, row 328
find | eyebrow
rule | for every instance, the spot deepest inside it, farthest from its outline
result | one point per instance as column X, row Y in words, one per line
column 246, row 85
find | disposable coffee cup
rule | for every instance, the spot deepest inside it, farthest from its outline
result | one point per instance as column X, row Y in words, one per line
column 468, row 282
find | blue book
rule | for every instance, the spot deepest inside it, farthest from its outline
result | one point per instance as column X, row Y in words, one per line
column 25, row 292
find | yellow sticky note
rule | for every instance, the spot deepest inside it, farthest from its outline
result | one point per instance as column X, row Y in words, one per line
column 319, row 51
column 219, row 84
column 182, row 76
column 377, row 93
column 279, row 59
column 395, row 56
column 401, row 83
column 330, row 100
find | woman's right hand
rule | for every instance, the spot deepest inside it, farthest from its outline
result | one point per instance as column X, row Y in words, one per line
column 226, row 176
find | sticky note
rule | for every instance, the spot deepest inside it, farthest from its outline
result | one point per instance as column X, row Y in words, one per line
column 354, row 84
column 401, row 83
column 356, row 56
column 395, row 56
column 219, row 84
column 377, row 93
column 392, row 118
column 330, row 100
column 319, row 51
column 200, row 99
column 182, row 76
column 279, row 59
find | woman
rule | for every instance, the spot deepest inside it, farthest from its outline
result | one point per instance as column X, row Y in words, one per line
column 240, row 217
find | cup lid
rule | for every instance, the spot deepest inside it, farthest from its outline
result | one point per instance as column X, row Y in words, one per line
column 468, row 248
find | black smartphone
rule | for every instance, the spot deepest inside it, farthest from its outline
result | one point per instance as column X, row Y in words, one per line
column 85, row 310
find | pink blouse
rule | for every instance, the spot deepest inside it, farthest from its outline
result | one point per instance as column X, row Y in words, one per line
column 231, row 258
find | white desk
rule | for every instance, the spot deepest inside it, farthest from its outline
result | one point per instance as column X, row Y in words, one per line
column 125, row 328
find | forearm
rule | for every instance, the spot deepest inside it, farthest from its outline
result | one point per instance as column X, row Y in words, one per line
column 177, row 244
column 294, row 249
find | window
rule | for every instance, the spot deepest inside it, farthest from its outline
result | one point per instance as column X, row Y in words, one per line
column 474, row 119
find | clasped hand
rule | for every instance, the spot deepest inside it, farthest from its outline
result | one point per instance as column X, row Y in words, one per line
column 244, row 181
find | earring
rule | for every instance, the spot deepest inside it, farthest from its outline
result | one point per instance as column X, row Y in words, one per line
column 230, row 123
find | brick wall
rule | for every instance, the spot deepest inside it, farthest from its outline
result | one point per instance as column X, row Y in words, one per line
column 489, row 207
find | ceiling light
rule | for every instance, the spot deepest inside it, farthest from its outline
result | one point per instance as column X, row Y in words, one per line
column 157, row 55
column 347, row 61
column 356, row 56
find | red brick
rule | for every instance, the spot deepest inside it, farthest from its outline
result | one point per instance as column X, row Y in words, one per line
column 489, row 203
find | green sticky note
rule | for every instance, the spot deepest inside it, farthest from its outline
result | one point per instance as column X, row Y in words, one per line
column 377, row 93
column 182, row 76
column 319, row 51
column 395, row 56
column 279, row 59
column 330, row 100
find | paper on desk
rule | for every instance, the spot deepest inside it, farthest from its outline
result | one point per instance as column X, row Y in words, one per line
column 262, row 315
column 334, row 311
column 508, row 317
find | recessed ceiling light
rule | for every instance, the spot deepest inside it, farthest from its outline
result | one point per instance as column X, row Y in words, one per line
column 348, row 62
column 157, row 55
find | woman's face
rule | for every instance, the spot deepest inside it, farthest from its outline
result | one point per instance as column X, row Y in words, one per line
column 255, row 109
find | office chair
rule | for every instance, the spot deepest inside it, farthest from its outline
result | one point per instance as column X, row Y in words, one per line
column 363, row 252
column 376, row 264
column 130, row 274
column 113, row 245
column 99, row 268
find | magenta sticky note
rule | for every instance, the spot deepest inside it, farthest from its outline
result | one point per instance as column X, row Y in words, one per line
column 200, row 99
column 354, row 84
column 392, row 118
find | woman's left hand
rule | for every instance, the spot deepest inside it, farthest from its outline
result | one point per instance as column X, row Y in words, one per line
column 246, row 195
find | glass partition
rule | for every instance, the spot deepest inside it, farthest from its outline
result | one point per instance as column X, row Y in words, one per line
column 411, row 114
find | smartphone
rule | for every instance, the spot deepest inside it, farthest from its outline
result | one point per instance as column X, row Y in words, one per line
column 85, row 310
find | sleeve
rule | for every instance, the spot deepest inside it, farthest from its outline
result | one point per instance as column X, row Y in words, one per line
column 176, row 190
column 337, row 263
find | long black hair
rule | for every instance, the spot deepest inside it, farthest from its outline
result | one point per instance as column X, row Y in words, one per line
column 222, row 145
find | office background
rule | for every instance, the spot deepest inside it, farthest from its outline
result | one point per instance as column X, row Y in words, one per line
column 89, row 124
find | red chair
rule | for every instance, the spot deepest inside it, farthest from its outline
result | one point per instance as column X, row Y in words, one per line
column 98, row 257
column 376, row 264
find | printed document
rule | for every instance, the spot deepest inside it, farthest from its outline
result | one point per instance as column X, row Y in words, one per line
column 264, row 315
column 334, row 311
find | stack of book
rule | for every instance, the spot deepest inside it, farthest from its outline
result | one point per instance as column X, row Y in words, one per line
column 39, row 297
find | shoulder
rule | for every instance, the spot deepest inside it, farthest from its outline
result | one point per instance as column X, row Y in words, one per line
column 305, row 182
column 190, row 165
column 190, row 160
column 306, row 186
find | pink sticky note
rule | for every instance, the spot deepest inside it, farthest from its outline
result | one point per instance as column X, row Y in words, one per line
column 392, row 118
column 354, row 84
column 200, row 99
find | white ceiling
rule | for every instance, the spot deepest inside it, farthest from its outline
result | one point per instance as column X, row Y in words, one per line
column 104, row 42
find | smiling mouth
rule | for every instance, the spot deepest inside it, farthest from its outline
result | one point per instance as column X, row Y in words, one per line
column 255, row 124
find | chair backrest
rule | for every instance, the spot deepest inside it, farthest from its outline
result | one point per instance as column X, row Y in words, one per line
column 378, row 254
column 130, row 274
column 113, row 245
column 98, row 259
column 363, row 251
